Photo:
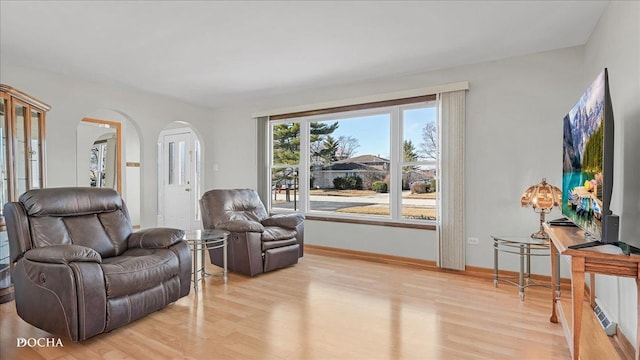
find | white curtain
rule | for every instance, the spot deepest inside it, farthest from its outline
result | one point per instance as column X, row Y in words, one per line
column 262, row 131
column 451, row 229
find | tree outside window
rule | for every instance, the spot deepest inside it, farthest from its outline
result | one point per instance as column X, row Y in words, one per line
column 350, row 167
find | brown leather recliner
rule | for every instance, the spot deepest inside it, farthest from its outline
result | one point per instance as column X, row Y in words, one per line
column 80, row 270
column 258, row 243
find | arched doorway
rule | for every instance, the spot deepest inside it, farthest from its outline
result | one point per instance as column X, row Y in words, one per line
column 103, row 139
column 126, row 151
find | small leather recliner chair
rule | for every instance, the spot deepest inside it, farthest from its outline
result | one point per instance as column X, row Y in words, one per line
column 80, row 270
column 257, row 242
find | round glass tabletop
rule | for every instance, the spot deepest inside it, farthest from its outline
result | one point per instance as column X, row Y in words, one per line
column 519, row 239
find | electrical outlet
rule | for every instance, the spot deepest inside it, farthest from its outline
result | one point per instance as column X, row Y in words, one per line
column 473, row 241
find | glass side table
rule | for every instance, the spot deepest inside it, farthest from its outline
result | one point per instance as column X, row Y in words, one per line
column 525, row 247
column 201, row 240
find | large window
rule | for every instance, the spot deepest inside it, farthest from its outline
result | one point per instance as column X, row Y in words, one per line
column 374, row 163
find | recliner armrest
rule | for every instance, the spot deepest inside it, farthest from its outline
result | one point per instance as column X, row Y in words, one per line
column 63, row 254
column 155, row 238
column 241, row 226
column 288, row 221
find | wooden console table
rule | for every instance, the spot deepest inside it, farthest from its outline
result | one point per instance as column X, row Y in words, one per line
column 594, row 260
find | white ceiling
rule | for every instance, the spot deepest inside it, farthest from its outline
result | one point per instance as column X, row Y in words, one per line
column 212, row 53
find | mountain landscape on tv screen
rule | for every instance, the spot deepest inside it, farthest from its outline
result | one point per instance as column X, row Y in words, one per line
column 582, row 178
column 583, row 133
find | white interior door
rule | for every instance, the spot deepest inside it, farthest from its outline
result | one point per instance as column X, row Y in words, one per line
column 178, row 180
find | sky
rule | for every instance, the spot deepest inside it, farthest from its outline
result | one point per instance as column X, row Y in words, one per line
column 370, row 130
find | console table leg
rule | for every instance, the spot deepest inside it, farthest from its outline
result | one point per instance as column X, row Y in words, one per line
column 638, row 316
column 558, row 287
column 592, row 290
column 555, row 281
column 577, row 295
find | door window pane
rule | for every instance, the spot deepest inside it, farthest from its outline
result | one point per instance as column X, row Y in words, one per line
column 177, row 163
column 182, row 163
column 172, row 150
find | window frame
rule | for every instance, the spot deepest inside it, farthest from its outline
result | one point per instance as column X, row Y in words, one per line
column 402, row 163
column 394, row 108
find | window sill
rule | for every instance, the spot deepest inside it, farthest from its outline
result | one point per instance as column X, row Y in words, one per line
column 372, row 222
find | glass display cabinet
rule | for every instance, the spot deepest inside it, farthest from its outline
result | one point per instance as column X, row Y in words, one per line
column 22, row 161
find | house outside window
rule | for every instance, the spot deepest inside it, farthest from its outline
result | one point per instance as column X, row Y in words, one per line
column 372, row 164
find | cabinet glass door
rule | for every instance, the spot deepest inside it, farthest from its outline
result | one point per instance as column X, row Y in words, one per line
column 5, row 278
column 4, row 182
column 22, row 162
column 34, row 151
column 21, row 150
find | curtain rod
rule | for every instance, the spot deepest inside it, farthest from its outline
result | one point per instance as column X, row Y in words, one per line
column 463, row 85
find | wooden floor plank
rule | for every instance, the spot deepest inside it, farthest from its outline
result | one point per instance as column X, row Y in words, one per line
column 326, row 308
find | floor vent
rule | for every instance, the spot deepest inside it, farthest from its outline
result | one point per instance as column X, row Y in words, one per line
column 604, row 319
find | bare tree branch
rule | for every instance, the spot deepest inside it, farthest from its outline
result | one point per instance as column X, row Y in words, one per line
column 347, row 146
column 429, row 144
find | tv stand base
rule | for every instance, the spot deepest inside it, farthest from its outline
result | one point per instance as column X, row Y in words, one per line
column 626, row 248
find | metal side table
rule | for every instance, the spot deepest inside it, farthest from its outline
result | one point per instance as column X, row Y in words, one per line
column 525, row 247
column 201, row 240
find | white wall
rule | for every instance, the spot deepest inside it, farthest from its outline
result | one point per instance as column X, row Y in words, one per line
column 514, row 138
column 131, row 180
column 615, row 44
column 72, row 99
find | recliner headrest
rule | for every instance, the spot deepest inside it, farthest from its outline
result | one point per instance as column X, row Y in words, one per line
column 70, row 201
column 233, row 204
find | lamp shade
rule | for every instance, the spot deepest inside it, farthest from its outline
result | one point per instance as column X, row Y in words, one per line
column 542, row 197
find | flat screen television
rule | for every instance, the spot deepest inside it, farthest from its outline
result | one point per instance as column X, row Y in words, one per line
column 587, row 165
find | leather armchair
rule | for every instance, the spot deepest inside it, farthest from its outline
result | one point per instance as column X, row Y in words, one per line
column 80, row 270
column 258, row 242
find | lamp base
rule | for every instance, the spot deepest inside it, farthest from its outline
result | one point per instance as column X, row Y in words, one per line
column 542, row 235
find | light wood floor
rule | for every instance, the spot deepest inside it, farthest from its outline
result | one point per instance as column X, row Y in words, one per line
column 326, row 308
